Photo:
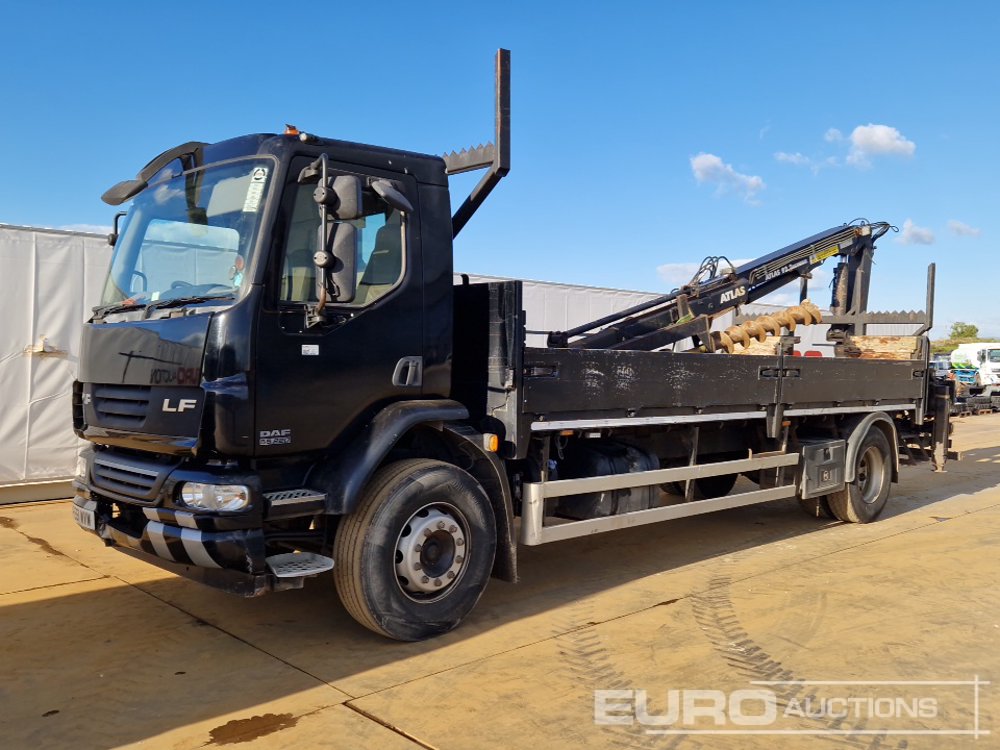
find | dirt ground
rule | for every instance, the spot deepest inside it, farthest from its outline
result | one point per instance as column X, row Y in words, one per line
column 98, row 650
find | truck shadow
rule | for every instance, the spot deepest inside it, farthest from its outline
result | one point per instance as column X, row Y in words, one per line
column 122, row 663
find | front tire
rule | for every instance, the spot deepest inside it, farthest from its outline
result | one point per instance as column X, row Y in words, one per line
column 415, row 556
column 863, row 500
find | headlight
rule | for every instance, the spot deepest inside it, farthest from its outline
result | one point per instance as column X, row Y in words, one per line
column 81, row 468
column 215, row 496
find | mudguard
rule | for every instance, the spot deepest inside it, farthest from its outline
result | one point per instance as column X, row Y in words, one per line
column 489, row 472
column 856, row 428
column 344, row 478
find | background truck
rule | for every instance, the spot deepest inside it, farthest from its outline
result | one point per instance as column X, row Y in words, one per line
column 282, row 379
column 980, row 363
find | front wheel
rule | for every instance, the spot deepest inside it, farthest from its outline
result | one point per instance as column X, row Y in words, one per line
column 863, row 499
column 415, row 556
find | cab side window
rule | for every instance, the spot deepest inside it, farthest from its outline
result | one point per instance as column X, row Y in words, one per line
column 380, row 263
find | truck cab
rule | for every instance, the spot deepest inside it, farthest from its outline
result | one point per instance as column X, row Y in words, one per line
column 210, row 374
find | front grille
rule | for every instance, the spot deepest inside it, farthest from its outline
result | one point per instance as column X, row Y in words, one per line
column 126, row 478
column 121, row 406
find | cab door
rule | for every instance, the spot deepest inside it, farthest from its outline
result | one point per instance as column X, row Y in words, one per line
column 316, row 384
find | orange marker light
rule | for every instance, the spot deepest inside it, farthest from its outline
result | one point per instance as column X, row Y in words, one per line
column 491, row 442
column 291, row 130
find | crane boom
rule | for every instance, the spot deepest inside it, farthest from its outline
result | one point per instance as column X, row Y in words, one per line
column 687, row 312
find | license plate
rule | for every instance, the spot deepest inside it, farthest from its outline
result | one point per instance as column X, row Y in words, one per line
column 85, row 517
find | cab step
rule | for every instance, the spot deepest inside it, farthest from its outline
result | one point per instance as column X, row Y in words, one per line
column 298, row 564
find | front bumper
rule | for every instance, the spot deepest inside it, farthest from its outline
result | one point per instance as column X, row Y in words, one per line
column 230, row 560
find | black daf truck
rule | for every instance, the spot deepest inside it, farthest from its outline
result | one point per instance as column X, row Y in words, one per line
column 283, row 379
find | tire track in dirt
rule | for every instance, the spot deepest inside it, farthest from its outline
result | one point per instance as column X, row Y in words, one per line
column 717, row 617
column 588, row 661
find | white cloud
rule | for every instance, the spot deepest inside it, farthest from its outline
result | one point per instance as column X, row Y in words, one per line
column 709, row 168
column 678, row 274
column 914, row 235
column 833, row 135
column 877, row 140
column 962, row 229
column 799, row 160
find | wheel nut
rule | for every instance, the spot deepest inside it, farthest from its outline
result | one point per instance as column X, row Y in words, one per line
column 440, row 524
column 460, row 541
column 451, row 573
column 416, row 566
column 453, row 528
column 437, row 581
column 427, row 532
column 459, row 559
column 425, row 579
column 418, row 547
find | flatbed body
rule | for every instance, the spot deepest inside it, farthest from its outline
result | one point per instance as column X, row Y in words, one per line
column 534, row 390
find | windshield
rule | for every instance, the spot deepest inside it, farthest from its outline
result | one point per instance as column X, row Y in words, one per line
column 189, row 237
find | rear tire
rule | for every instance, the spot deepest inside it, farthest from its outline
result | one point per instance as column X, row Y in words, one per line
column 415, row 556
column 863, row 500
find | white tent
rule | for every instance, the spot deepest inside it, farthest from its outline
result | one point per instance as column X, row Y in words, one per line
column 49, row 280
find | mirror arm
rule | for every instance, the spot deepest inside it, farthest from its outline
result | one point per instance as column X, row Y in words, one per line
column 113, row 237
column 314, row 313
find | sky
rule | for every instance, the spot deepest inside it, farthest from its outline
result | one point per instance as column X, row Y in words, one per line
column 645, row 136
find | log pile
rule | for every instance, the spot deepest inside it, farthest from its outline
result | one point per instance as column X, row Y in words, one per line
column 883, row 347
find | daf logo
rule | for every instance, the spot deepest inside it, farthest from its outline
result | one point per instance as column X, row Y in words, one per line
column 183, row 405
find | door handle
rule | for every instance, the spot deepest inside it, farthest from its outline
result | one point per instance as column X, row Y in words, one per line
column 409, row 372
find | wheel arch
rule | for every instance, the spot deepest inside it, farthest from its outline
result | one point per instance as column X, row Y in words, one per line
column 856, row 428
column 389, row 436
column 344, row 476
column 488, row 470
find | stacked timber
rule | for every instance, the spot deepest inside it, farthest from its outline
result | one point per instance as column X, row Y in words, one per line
column 882, row 347
column 760, row 348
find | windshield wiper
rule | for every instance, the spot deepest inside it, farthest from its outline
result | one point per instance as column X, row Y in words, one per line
column 101, row 310
column 178, row 301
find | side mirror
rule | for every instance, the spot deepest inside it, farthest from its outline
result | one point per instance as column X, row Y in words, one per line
column 391, row 194
column 342, row 198
column 337, row 260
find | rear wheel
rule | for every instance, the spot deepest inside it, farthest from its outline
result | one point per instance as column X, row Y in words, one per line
column 415, row 556
column 863, row 499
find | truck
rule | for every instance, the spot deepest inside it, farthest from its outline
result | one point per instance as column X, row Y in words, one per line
column 979, row 366
column 282, row 380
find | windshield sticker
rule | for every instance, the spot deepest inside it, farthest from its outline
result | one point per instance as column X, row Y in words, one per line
column 258, row 178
